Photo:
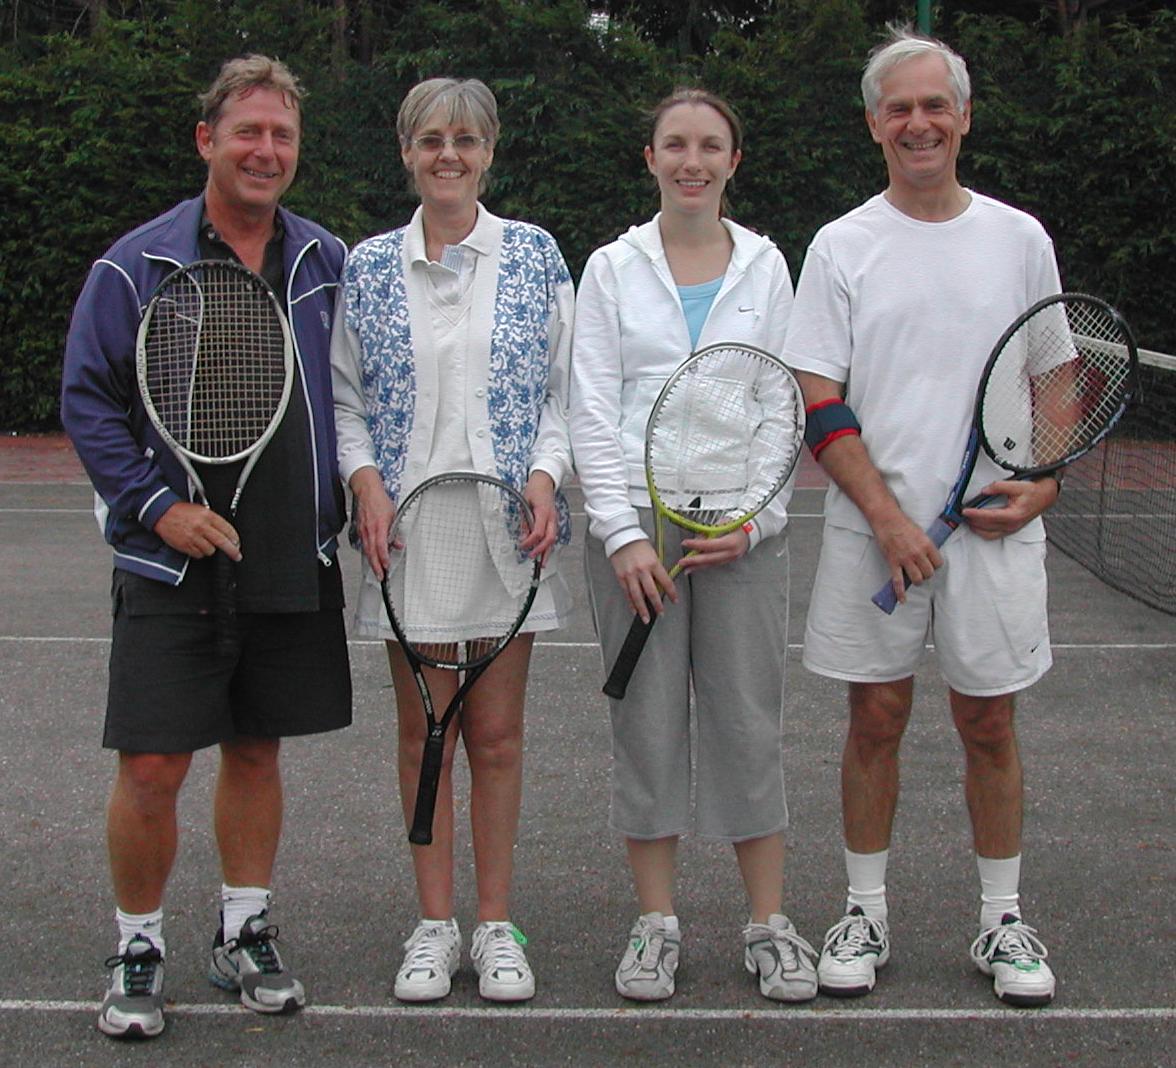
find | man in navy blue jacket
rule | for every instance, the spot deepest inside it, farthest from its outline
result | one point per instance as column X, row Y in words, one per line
column 172, row 690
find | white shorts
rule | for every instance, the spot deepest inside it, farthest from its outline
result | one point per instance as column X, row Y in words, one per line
column 984, row 610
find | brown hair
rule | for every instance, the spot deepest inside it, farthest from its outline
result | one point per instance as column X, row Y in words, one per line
column 696, row 95
column 250, row 72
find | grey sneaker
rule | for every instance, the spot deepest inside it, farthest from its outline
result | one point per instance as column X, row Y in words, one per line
column 1014, row 956
column 856, row 946
column 431, row 956
column 784, row 962
column 646, row 971
column 501, row 964
column 250, row 964
column 133, row 1007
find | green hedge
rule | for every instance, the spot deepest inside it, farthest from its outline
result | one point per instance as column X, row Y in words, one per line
column 95, row 137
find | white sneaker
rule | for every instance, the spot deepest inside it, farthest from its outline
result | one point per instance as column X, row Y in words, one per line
column 499, row 960
column 784, row 962
column 431, row 956
column 1014, row 956
column 646, row 971
column 855, row 947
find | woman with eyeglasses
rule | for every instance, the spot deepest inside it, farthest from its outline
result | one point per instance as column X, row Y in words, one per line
column 688, row 278
column 450, row 351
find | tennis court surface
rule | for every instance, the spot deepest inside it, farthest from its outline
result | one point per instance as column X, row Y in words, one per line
column 1096, row 741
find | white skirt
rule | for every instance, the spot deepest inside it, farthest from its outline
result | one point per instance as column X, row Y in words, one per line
column 551, row 609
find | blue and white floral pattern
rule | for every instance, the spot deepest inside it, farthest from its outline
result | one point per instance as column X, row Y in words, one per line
column 530, row 270
column 376, row 308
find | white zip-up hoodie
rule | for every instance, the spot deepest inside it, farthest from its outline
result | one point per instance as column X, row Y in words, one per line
column 630, row 336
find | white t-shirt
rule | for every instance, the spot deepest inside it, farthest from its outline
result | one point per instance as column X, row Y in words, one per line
column 906, row 313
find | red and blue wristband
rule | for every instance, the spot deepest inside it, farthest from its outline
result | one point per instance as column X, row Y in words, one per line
column 827, row 421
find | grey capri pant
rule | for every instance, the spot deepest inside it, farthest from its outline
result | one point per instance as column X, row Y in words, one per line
column 729, row 632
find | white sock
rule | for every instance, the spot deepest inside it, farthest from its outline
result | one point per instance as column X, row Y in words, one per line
column 999, row 881
column 149, row 924
column 670, row 923
column 238, row 903
column 867, row 882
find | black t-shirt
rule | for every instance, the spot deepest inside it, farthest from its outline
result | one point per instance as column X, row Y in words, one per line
column 276, row 517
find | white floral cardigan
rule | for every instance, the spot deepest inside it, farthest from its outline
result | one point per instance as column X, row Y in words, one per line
column 385, row 377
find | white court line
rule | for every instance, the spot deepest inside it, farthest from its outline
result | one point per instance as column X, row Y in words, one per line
column 91, row 512
column 32, row 639
column 635, row 1015
column 46, row 511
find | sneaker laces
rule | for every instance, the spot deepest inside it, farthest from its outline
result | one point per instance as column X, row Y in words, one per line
column 501, row 949
column 647, row 936
column 258, row 943
column 847, row 938
column 138, row 976
column 788, row 942
column 426, row 949
column 1016, row 943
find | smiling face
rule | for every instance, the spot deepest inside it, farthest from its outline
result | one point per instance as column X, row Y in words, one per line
column 447, row 177
column 252, row 153
column 692, row 157
column 920, row 126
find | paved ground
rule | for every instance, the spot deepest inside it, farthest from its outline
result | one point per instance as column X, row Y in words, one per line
column 1098, row 875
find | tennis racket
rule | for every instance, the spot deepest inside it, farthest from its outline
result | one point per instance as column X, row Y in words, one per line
column 457, row 589
column 1055, row 385
column 722, row 438
column 215, row 365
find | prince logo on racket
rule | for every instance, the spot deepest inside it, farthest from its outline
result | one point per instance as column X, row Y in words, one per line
column 217, row 489
column 898, row 308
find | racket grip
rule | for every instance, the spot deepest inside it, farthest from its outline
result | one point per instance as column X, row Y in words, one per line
column 622, row 669
column 886, row 598
column 225, row 603
column 426, row 801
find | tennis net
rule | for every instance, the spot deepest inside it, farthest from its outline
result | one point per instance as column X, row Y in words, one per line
column 1117, row 514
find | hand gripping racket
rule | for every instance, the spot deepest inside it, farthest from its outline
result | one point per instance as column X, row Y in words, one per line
column 215, row 365
column 722, row 439
column 1055, row 385
column 457, row 589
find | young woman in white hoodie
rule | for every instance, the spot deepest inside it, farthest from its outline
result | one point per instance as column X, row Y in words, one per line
column 688, row 278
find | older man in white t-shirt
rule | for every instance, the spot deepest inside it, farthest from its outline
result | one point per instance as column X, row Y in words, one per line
column 897, row 307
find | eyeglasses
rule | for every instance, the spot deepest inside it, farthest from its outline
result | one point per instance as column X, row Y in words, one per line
column 462, row 142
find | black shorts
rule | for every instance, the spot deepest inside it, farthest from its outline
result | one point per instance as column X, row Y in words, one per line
column 172, row 691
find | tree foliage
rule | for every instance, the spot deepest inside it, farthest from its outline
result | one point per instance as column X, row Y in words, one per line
column 97, row 105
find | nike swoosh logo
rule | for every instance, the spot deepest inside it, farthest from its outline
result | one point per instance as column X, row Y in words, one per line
column 746, row 309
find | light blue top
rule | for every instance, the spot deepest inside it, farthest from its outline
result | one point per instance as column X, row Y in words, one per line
column 696, row 305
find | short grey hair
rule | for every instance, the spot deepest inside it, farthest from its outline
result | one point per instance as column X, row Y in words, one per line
column 463, row 101
column 250, row 72
column 904, row 45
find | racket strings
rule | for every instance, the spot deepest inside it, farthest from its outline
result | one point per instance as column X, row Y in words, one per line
column 723, row 436
column 216, row 361
column 1060, row 380
column 459, row 584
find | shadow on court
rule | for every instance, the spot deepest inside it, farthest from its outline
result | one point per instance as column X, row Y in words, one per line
column 1098, row 871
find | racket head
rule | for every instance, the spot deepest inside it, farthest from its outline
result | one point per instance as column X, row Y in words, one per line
column 723, row 437
column 447, row 532
column 1057, row 382
column 215, row 361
